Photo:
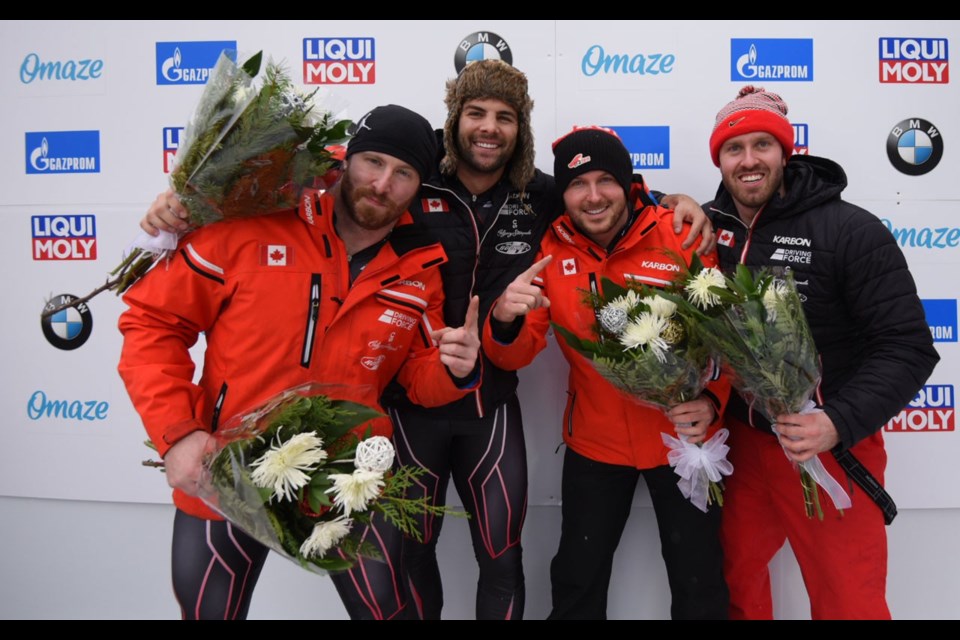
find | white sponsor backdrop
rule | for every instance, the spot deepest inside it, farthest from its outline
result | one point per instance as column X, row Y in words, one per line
column 685, row 79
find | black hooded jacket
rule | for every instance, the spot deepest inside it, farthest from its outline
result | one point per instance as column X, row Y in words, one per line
column 861, row 301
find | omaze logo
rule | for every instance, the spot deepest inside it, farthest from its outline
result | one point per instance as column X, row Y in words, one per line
column 68, row 328
column 596, row 60
column 481, row 45
column 190, row 62
column 777, row 59
column 914, row 146
column 171, row 142
column 931, row 410
column 942, row 318
column 63, row 152
column 339, row 61
column 914, row 60
column 64, row 237
column 649, row 147
column 925, row 237
column 39, row 406
column 800, row 145
column 34, row 68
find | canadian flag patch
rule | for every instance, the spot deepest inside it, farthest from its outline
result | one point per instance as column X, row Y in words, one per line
column 435, row 205
column 725, row 237
column 276, row 255
column 569, row 266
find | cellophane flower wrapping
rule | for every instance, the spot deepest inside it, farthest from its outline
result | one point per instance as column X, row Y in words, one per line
column 295, row 475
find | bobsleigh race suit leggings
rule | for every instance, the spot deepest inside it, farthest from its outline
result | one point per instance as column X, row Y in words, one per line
column 487, row 458
column 216, row 566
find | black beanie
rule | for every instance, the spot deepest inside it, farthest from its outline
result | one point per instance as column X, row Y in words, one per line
column 591, row 149
column 398, row 132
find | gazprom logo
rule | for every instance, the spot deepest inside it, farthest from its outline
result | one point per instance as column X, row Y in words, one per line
column 649, row 146
column 171, row 142
column 339, row 61
column 942, row 318
column 931, row 410
column 62, row 152
column 800, row 136
column 190, row 62
column 772, row 59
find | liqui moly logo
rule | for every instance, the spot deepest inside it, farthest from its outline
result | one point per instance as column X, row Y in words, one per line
column 914, row 61
column 339, row 61
column 68, row 237
column 931, row 410
column 171, row 142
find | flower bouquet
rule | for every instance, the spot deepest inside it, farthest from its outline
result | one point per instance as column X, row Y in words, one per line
column 644, row 349
column 756, row 326
column 296, row 477
column 245, row 152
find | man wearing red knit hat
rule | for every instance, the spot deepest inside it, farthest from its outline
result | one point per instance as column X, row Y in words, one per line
column 784, row 212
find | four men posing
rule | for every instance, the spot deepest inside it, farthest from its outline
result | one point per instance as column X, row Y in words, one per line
column 489, row 208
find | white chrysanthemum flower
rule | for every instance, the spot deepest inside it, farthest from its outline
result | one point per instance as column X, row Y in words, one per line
column 285, row 467
column 627, row 302
column 774, row 294
column 325, row 536
column 354, row 491
column 699, row 287
column 374, row 454
column 613, row 319
column 660, row 306
column 645, row 332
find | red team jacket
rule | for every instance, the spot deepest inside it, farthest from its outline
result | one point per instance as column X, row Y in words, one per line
column 272, row 296
column 600, row 422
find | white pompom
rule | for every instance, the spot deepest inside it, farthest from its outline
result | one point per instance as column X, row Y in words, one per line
column 374, row 454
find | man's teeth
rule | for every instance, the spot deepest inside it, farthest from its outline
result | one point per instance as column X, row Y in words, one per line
column 486, row 145
column 752, row 178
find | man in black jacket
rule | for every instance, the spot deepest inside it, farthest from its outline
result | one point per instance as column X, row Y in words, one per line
column 786, row 213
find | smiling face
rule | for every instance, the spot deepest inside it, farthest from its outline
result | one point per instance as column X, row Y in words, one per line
column 752, row 169
column 487, row 135
column 597, row 205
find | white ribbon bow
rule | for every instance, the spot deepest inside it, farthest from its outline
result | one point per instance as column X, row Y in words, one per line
column 698, row 465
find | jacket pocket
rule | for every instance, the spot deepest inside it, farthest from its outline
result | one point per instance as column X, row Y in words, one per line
column 313, row 315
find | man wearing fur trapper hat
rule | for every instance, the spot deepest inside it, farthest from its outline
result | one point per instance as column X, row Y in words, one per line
column 489, row 206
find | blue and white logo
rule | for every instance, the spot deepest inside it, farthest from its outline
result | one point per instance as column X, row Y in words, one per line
column 914, row 146
column 801, row 134
column 771, row 59
column 481, row 45
column 649, row 147
column 68, row 328
column 942, row 318
column 190, row 62
column 63, row 151
column 171, row 142
column 925, row 237
column 596, row 60
column 41, row 406
column 34, row 68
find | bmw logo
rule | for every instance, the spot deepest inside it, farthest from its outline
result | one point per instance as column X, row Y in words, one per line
column 69, row 327
column 914, row 147
column 482, row 45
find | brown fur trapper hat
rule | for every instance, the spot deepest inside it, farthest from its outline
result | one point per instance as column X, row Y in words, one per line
column 498, row 80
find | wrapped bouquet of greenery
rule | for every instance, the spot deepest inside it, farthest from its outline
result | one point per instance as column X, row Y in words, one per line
column 296, row 476
column 644, row 348
column 754, row 323
column 248, row 150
